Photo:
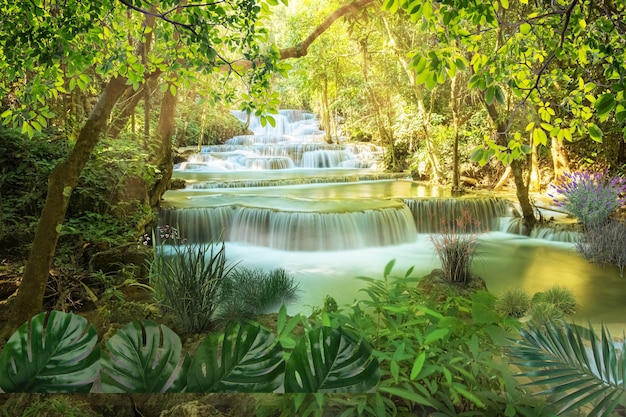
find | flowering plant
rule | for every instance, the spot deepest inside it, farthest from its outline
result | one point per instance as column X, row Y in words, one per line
column 166, row 234
column 590, row 195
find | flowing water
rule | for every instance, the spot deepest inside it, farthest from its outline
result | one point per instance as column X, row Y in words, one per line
column 325, row 213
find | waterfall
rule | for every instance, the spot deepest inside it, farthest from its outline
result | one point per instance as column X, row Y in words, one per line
column 294, row 231
column 199, row 224
column 434, row 215
column 321, row 231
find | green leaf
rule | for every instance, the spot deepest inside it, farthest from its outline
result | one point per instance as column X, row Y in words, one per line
column 524, row 28
column 144, row 357
column 436, row 335
column 389, row 267
column 499, row 95
column 407, row 395
column 540, row 137
column 246, row 358
column 490, row 94
column 331, row 361
column 577, row 374
column 418, row 364
column 53, row 352
column 482, row 313
column 604, row 104
column 594, row 132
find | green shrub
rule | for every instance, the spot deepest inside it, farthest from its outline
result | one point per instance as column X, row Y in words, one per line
column 249, row 292
column 544, row 312
column 604, row 243
column 560, row 297
column 187, row 279
column 513, row 303
column 25, row 165
column 436, row 358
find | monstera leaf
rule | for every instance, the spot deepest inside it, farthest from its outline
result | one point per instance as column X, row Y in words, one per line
column 53, row 352
column 247, row 358
column 332, row 361
column 144, row 357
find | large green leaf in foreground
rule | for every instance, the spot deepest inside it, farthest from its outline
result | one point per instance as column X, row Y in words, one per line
column 53, row 352
column 578, row 368
column 247, row 358
column 332, row 361
column 144, row 357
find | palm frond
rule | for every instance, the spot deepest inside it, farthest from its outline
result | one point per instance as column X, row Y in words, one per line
column 576, row 366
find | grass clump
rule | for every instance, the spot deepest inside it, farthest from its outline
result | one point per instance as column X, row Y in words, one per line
column 513, row 303
column 456, row 248
column 553, row 304
column 250, row 292
column 187, row 279
column 560, row 297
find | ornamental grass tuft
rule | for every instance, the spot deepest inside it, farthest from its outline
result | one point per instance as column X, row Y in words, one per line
column 247, row 292
column 187, row 278
column 604, row 244
column 456, row 248
column 513, row 303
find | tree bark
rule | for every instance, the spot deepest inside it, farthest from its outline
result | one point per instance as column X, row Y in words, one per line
column 454, row 106
column 521, row 189
column 162, row 156
column 534, row 182
column 560, row 160
column 62, row 181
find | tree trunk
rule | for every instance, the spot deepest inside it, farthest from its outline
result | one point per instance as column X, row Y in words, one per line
column 162, row 147
column 560, row 160
column 454, row 106
column 521, row 190
column 534, row 182
column 62, row 181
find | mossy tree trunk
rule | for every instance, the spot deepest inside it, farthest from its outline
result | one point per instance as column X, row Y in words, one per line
column 161, row 146
column 61, row 183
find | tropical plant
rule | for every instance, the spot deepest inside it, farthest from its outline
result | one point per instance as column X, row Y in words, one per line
column 187, row 278
column 58, row 352
column 134, row 360
column 246, row 292
column 592, row 196
column 326, row 354
column 435, row 357
column 53, row 352
column 574, row 366
column 246, row 358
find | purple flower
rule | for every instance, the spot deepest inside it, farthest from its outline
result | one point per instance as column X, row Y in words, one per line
column 591, row 195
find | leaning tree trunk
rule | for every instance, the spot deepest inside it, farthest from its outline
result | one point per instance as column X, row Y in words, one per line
column 62, row 181
column 521, row 189
column 162, row 149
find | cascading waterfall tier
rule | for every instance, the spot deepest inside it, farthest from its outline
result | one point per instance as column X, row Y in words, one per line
column 333, row 225
column 286, row 188
column 480, row 214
